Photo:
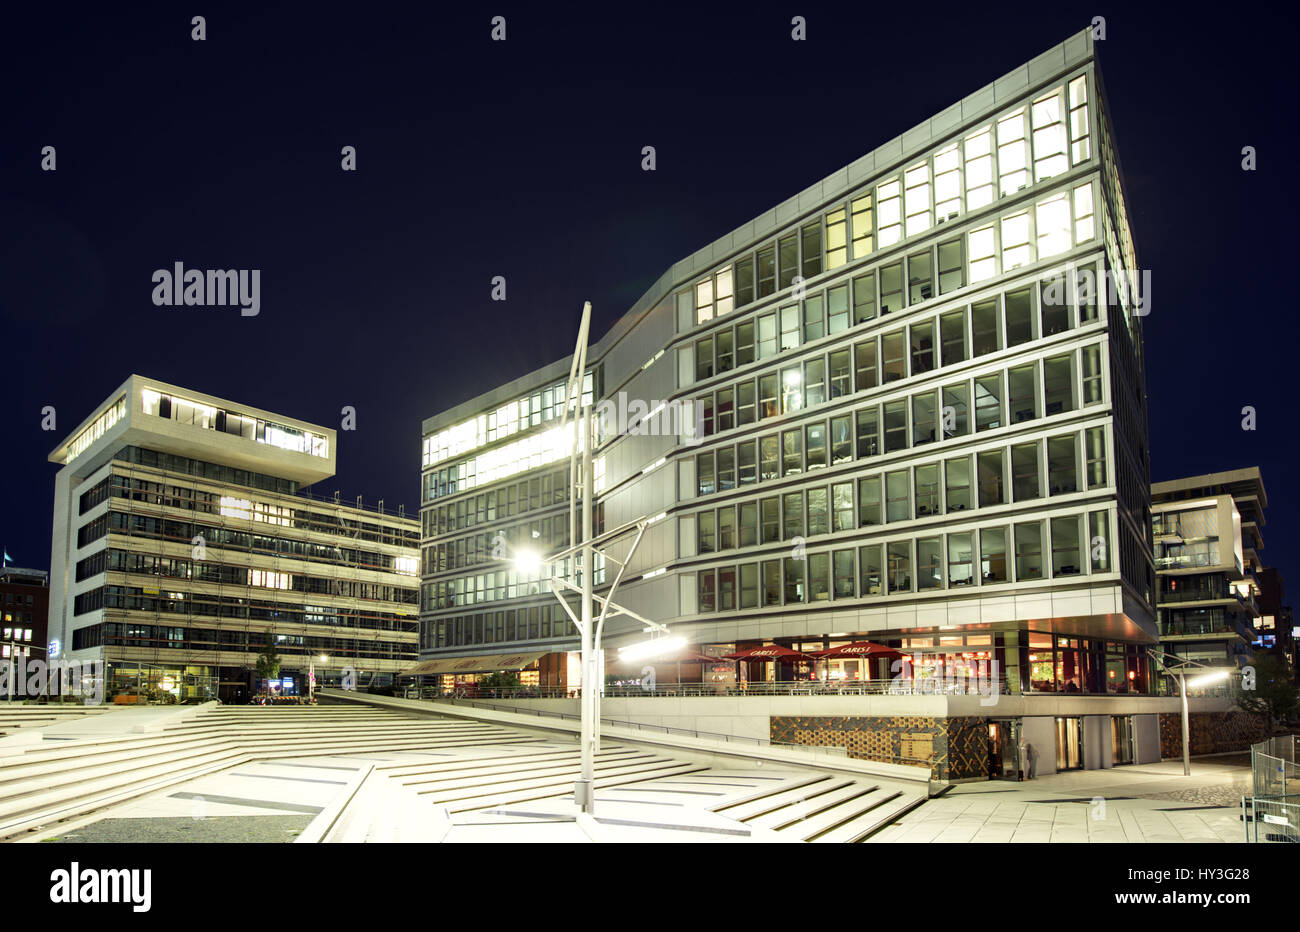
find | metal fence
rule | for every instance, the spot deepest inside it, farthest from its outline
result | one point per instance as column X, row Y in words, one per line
column 1272, row 812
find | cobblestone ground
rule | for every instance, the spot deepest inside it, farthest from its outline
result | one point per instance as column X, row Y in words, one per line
column 215, row 829
column 1227, row 794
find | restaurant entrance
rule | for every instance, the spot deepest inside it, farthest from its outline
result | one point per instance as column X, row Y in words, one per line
column 1004, row 749
column 1069, row 743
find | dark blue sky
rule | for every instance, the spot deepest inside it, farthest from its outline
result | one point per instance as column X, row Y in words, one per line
column 522, row 159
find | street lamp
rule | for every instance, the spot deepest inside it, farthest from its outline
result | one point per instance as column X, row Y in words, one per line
column 1180, row 670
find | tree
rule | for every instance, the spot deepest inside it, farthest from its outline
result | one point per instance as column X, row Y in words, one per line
column 268, row 661
column 1275, row 696
column 499, row 681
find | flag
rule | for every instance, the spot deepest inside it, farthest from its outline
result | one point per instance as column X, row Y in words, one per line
column 7, row 559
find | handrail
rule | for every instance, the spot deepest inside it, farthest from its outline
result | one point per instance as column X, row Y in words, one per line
column 915, row 686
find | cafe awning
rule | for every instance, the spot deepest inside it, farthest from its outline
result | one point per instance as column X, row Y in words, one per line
column 488, row 663
column 767, row 652
column 856, row 649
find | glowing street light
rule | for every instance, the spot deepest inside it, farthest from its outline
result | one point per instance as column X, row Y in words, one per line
column 656, row 647
column 1180, row 670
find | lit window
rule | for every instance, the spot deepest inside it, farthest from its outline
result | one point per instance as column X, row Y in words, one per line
column 1084, row 228
column 947, row 183
column 917, row 198
column 407, row 566
column 1049, row 136
column 862, row 229
column 704, row 301
column 979, row 169
column 723, row 292
column 889, row 201
column 1015, row 241
column 837, row 252
column 1053, row 225
column 1013, row 155
column 1080, row 148
column 980, row 247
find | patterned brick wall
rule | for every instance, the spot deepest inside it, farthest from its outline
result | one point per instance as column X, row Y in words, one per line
column 954, row 748
column 1211, row 732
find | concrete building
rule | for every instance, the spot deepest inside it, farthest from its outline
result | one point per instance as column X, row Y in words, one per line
column 24, row 608
column 909, row 408
column 184, row 539
column 1207, row 538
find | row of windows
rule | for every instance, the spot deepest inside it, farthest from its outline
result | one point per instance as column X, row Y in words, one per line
column 198, row 414
column 12, row 598
column 518, row 498
column 131, row 634
column 535, row 622
column 544, row 536
column 214, row 472
column 1028, row 550
column 503, row 584
column 1032, row 143
column 530, row 452
column 974, row 405
column 134, row 598
column 1018, row 473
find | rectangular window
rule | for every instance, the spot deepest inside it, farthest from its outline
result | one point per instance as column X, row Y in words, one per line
column 814, row 321
column 899, row 555
column 929, row 563
column 922, row 340
column 868, row 432
column 889, row 217
column 704, row 473
column 1058, row 384
column 898, row 496
column 789, row 327
column 1015, row 241
column 1084, row 226
column 1048, row 114
column 979, row 168
column 842, row 507
column 961, row 561
column 771, row 582
column 956, row 479
column 991, row 478
column 819, row 571
column 869, row 567
column 1062, row 464
column 766, row 271
column 747, row 462
column 924, row 418
column 1052, row 223
column 727, row 589
column 916, row 197
column 727, row 528
column 814, row 380
column 1013, row 153
column 841, row 439
column 837, row 309
column 704, row 301
column 722, row 293
column 862, row 226
column 947, row 183
column 788, row 251
column 726, row 468
column 1092, row 381
column 1029, row 551
column 771, row 508
column 1024, row 472
column 726, row 355
column 815, row 443
column 895, row 426
column 985, row 329
column 927, row 490
column 749, row 585
column 767, row 336
column 837, row 252
column 891, row 288
column 952, row 334
column 869, row 501
column 1023, row 392
column 1086, row 295
column 843, row 572
column 841, row 374
column 920, row 278
column 1079, row 130
column 744, row 281
column 746, row 404
column 769, row 403
column 988, row 402
column 952, row 269
column 1054, row 305
column 1099, row 540
column 744, row 343
column 993, row 555
column 707, row 527
column 1095, row 454
column 811, row 241
column 1065, row 546
column 864, row 361
column 769, row 457
column 726, row 409
column 819, row 519
column 1020, row 317
column 893, row 357
column 748, row 524
column 791, row 452
column 794, row 581
column 955, row 413
column 864, row 298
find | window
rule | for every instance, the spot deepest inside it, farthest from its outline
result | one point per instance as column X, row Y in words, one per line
column 864, row 298
column 767, row 337
column 956, row 473
column 842, row 507
column 1048, row 113
column 747, row 462
column 899, row 555
column 984, row 328
column 920, row 278
column 947, row 183
column 704, row 301
column 769, row 456
column 1013, row 155
column 814, row 380
column 890, row 217
column 1065, row 546
column 841, row 380
column 952, row 334
column 864, row 361
column 794, row 585
column 771, row 508
column 726, row 468
column 891, row 288
column 1058, row 384
column 1029, row 551
column 929, row 563
column 837, row 308
column 819, row 567
column 841, row 440
column 923, row 418
column 707, row 532
column 766, row 271
column 988, row 402
column 960, row 560
column 1095, row 456
column 990, row 472
column 868, row 432
column 1079, row 141
column 810, row 237
column 1099, row 540
column 979, row 169
column 791, row 452
column 927, row 490
column 1024, row 472
column 792, row 395
column 956, row 410
column 744, row 343
column 704, row 473
column 744, row 272
column 788, row 253
column 1052, row 221
column 1092, row 381
column 727, row 589
column 917, row 198
column 819, row 521
column 895, row 426
column 748, row 517
column 869, row 501
column 722, row 293
column 993, row 555
column 1023, row 392
column 862, row 226
column 837, row 252
column 815, row 443
column 1084, row 228
column 769, row 404
column 1015, row 241
column 893, row 360
column 842, row 570
column 749, row 585
column 814, row 322
column 1062, row 465
column 789, row 327
column 951, row 269
column 746, row 410
column 1020, row 312
column 1086, row 294
column 703, row 359
column 727, row 528
column 1054, row 306
column 726, row 356
column 922, row 339
column 869, row 568
column 771, row 582
column 898, row 496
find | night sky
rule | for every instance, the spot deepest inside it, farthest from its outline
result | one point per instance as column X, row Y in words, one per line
column 478, row 158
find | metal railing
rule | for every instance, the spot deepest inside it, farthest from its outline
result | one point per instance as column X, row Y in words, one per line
column 1272, row 813
column 916, row 686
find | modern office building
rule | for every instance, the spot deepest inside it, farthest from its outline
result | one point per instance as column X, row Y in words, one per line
column 1275, row 629
column 24, row 608
column 184, row 539
column 921, row 413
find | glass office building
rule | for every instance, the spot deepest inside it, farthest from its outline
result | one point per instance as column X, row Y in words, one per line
column 915, row 415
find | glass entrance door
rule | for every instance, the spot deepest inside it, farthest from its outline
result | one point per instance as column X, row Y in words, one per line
column 1004, row 750
column 1069, row 743
column 1121, row 739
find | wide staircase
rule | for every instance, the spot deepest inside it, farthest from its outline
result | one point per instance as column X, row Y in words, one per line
column 14, row 717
